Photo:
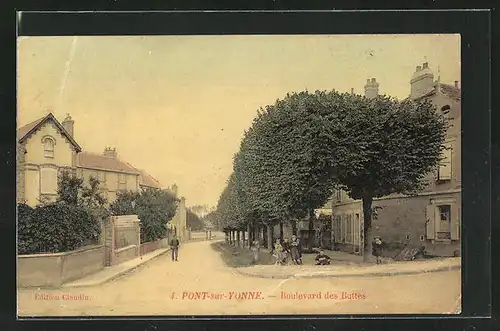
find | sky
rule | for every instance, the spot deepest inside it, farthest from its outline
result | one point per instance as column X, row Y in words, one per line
column 177, row 106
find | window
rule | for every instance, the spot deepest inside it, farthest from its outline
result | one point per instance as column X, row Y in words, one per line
column 48, row 181
column 122, row 182
column 444, row 218
column 445, row 110
column 444, row 171
column 337, row 229
column 101, row 176
column 48, row 146
column 339, row 195
column 349, row 228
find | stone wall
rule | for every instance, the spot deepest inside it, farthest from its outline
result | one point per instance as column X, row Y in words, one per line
column 124, row 254
column 53, row 270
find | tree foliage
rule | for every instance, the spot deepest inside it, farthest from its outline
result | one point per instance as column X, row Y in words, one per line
column 73, row 220
column 154, row 207
column 54, row 228
column 193, row 221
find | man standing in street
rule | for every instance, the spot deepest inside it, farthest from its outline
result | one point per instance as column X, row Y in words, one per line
column 174, row 246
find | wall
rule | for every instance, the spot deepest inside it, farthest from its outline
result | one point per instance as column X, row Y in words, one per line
column 124, row 254
column 52, row 270
column 20, row 173
column 29, row 182
column 180, row 219
column 63, row 155
column 402, row 221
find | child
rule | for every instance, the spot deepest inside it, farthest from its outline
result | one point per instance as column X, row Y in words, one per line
column 377, row 249
column 277, row 252
column 322, row 258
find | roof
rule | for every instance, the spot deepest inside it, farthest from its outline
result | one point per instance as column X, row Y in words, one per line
column 450, row 91
column 25, row 131
column 148, row 180
column 101, row 162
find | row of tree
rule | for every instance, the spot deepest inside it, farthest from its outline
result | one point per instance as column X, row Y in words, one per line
column 303, row 147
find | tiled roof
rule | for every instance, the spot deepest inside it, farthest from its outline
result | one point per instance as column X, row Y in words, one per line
column 101, row 162
column 146, row 179
column 26, row 130
column 449, row 90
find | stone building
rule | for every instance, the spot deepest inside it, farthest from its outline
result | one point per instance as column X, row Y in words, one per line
column 44, row 148
column 432, row 217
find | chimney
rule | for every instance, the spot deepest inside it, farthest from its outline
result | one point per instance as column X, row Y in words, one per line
column 174, row 189
column 371, row 88
column 68, row 125
column 109, row 152
column 422, row 81
column 456, row 84
column 352, row 90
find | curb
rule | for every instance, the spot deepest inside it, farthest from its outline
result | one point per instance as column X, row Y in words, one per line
column 118, row 275
column 371, row 274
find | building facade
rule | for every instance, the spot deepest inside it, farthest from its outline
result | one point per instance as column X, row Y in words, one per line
column 44, row 148
column 114, row 175
column 432, row 217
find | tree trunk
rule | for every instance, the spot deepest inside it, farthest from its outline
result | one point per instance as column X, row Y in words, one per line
column 310, row 241
column 367, row 228
column 249, row 230
column 270, row 230
column 264, row 235
column 294, row 227
column 238, row 238
column 281, row 231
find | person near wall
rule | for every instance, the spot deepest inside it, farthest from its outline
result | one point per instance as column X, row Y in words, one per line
column 377, row 249
column 174, row 247
column 295, row 250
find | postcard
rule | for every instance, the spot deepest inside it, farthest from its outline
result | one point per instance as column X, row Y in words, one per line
column 239, row 175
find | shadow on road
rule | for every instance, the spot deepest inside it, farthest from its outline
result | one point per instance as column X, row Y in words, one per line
column 235, row 257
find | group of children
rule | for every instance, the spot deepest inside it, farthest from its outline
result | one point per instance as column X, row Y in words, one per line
column 288, row 252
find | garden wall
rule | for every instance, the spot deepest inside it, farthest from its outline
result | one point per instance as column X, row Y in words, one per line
column 55, row 269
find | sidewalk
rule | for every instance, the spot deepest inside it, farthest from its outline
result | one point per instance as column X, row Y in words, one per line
column 350, row 270
column 110, row 273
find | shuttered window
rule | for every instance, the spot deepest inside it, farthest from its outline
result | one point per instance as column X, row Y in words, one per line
column 48, row 180
column 444, row 172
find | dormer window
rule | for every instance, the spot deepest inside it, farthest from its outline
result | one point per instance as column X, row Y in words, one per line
column 445, row 110
column 48, row 146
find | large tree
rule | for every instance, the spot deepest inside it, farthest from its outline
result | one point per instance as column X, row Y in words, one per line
column 382, row 146
column 154, row 207
column 284, row 163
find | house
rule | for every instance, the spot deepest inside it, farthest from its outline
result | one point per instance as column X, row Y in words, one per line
column 45, row 147
column 147, row 181
column 432, row 217
column 114, row 175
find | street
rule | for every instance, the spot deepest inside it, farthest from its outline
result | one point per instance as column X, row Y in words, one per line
column 200, row 284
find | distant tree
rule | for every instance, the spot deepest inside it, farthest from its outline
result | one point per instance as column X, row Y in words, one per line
column 193, row 221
